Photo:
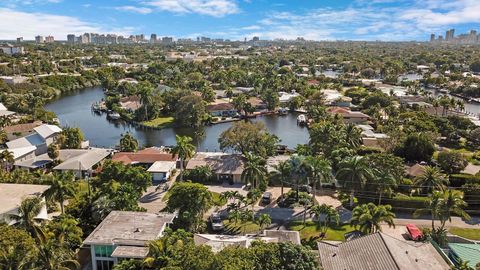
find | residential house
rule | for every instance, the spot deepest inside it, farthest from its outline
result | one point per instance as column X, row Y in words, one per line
column 379, row 251
column 11, row 197
column 130, row 104
column 285, row 97
column 415, row 170
column 218, row 242
column 162, row 170
column 465, row 252
column 124, row 235
column 81, row 161
column 224, row 109
column 227, row 167
column 37, row 142
column 349, row 116
column 4, row 111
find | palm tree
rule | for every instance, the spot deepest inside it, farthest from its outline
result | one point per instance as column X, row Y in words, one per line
column 145, row 94
column 254, row 169
column 184, row 150
column 384, row 182
column 298, row 170
column 11, row 259
column 431, row 178
column 320, row 169
column 28, row 211
column 353, row 173
column 61, row 188
column 282, row 169
column 368, row 217
column 451, row 203
column 330, row 215
column 7, row 158
column 353, row 135
column 253, row 196
column 128, row 143
column 52, row 255
column 432, row 207
column 263, row 221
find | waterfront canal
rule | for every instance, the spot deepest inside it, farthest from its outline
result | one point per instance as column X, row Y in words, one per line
column 74, row 110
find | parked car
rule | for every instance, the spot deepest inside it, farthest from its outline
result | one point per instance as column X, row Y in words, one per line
column 216, row 222
column 267, row 198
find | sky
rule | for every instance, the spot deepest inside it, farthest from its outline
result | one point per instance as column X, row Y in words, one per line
column 387, row 20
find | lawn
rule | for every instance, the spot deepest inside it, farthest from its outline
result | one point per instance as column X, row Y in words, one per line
column 215, row 197
column 160, row 122
column 310, row 230
column 240, row 228
column 473, row 234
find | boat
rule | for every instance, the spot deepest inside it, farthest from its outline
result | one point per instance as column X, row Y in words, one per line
column 282, row 111
column 113, row 115
column 301, row 119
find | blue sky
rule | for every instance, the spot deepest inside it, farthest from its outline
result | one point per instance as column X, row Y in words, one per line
column 235, row 19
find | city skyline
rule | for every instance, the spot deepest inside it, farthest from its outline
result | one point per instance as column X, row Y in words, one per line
column 386, row 20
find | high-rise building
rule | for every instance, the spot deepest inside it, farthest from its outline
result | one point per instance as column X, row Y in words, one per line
column 432, row 38
column 49, row 39
column 255, row 39
column 167, row 40
column 71, row 38
column 440, row 38
column 19, row 39
column 153, row 38
column 39, row 39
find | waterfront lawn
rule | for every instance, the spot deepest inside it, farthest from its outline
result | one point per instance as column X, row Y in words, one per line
column 472, row 234
column 160, row 122
column 310, row 229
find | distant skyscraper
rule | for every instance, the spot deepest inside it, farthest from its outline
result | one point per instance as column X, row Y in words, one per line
column 49, row 39
column 255, row 39
column 19, row 39
column 440, row 38
column 71, row 38
column 167, row 40
column 432, row 38
column 153, row 38
column 39, row 39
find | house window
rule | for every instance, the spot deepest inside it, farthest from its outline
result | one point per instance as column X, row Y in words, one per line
column 103, row 251
column 104, row 265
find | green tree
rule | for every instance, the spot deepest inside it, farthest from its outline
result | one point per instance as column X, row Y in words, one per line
column 246, row 137
column 53, row 151
column 452, row 162
column 432, row 207
column 52, row 254
column 431, row 179
column 416, row 147
column 191, row 200
column 184, row 150
column 451, row 203
column 325, row 216
column 368, row 217
column 353, row 174
column 282, row 170
column 6, row 158
column 320, row 169
column 254, row 171
column 128, row 143
column 263, row 221
column 145, row 94
column 28, row 211
column 191, row 111
column 61, row 188
column 17, row 249
column 71, row 138
column 66, row 229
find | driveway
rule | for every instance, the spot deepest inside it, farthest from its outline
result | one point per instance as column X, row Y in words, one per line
column 227, row 187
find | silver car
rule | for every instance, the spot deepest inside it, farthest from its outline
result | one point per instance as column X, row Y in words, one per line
column 216, row 222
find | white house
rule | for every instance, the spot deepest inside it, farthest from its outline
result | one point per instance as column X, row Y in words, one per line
column 161, row 170
column 11, row 197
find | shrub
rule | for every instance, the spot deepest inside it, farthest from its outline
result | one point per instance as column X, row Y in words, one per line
column 452, row 162
column 201, row 174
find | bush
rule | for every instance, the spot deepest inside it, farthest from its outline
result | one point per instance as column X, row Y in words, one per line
column 452, row 162
column 202, row 174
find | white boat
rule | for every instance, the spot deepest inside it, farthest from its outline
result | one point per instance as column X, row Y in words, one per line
column 114, row 116
column 301, row 119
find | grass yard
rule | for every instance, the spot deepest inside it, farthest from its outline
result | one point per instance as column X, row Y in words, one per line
column 215, row 197
column 160, row 122
column 473, row 234
column 310, row 230
column 240, row 228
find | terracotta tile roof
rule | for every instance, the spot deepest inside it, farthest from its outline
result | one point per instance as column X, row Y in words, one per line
column 21, row 128
column 148, row 155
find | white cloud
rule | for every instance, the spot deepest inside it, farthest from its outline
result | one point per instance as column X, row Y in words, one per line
column 215, row 8
column 141, row 10
column 17, row 23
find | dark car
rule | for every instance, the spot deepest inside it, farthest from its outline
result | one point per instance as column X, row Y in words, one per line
column 267, row 198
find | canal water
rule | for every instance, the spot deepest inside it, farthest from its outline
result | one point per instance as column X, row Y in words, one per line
column 74, row 110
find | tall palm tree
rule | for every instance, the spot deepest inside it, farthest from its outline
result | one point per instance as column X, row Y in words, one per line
column 451, row 203
column 298, row 170
column 28, row 212
column 368, row 217
column 61, row 188
column 353, row 173
column 325, row 215
column 145, row 94
column 282, row 169
column 320, row 169
column 184, row 150
column 353, row 135
column 254, row 170
column 253, row 196
column 11, row 259
column 432, row 207
column 432, row 178
column 52, row 255
column 384, row 182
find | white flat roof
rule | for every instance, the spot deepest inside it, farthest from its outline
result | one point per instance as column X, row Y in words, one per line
column 162, row 166
column 12, row 195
